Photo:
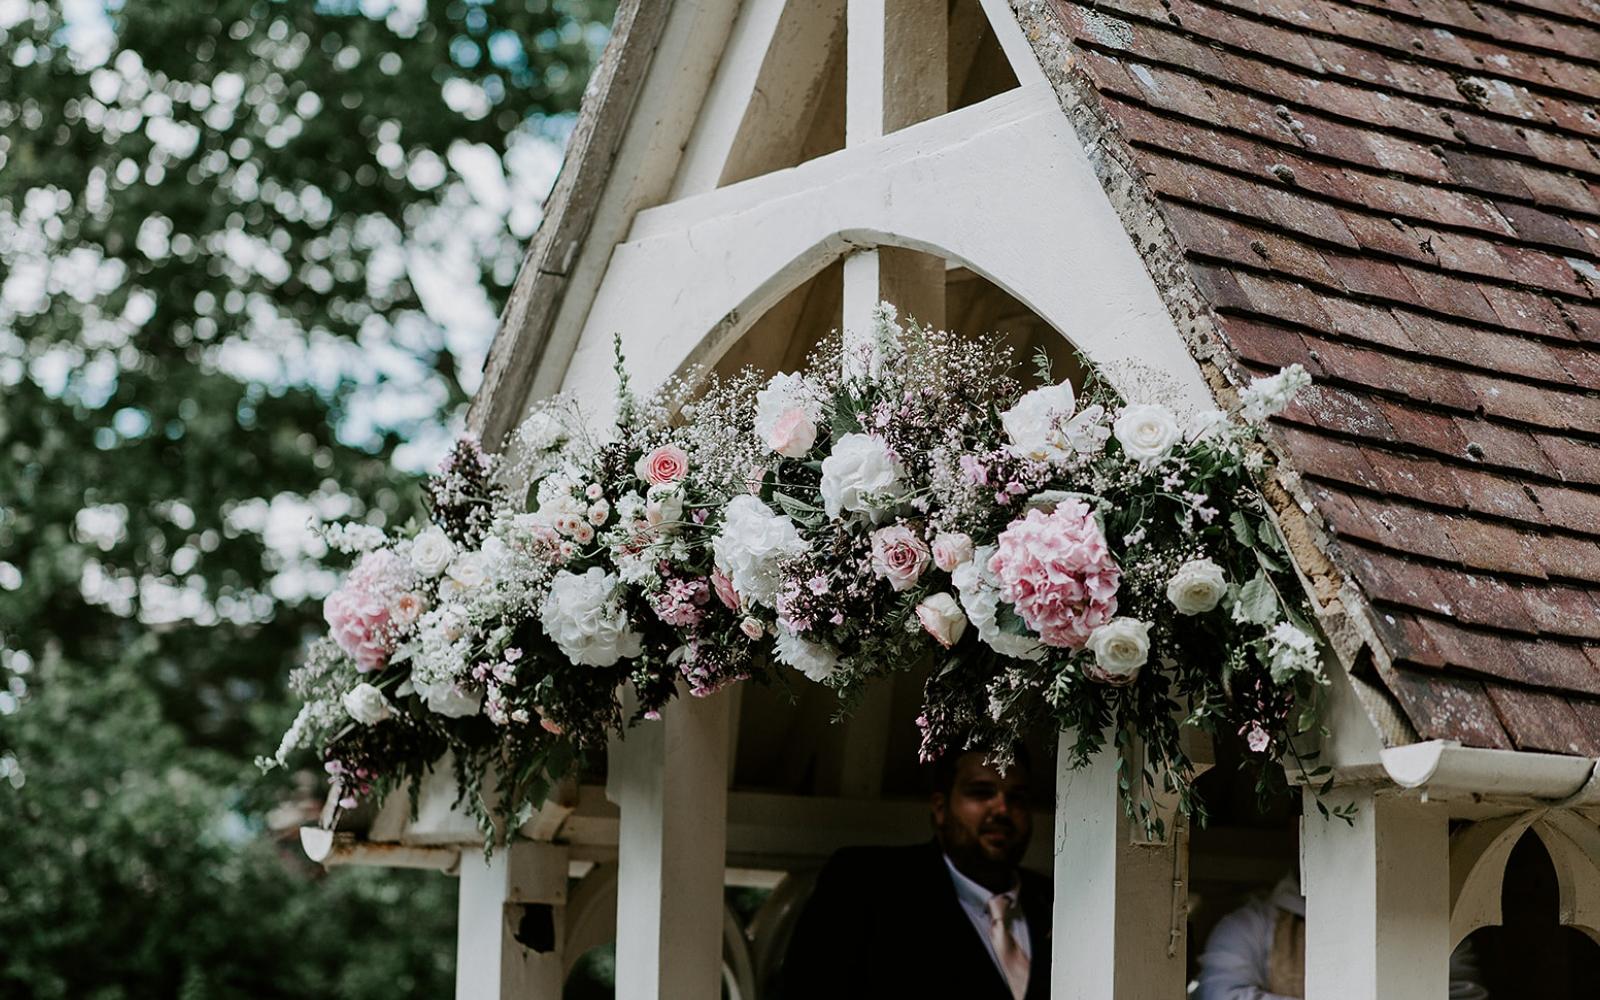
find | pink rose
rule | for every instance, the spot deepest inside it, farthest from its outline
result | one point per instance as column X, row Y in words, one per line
column 1256, row 738
column 794, row 433
column 667, row 464
column 751, row 627
column 1056, row 570
column 951, row 549
column 724, row 588
column 898, row 556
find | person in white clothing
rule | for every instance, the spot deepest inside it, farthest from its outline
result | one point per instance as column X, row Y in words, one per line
column 1257, row 952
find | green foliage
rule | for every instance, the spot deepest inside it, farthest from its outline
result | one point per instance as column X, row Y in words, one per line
column 213, row 222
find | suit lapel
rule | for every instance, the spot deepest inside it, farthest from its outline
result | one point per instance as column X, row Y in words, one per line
column 1036, row 905
column 965, row 949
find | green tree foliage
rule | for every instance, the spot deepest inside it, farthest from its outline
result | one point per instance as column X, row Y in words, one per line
column 248, row 249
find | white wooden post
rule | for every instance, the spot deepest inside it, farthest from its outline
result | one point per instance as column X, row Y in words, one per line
column 512, row 923
column 669, row 781
column 1377, row 899
column 1119, row 926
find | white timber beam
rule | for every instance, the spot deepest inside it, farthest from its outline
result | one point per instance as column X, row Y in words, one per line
column 1377, row 898
column 1012, row 42
column 1119, row 925
column 512, row 923
column 669, row 781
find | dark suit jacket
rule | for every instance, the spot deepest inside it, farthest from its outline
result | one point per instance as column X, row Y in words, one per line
column 884, row 922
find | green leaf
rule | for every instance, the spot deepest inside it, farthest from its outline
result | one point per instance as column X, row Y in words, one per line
column 1242, row 530
column 1257, row 602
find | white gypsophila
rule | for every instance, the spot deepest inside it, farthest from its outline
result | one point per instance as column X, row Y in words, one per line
column 1087, row 432
column 1197, row 587
column 585, row 617
column 1291, row 651
column 431, row 552
column 367, row 705
column 1120, row 647
column 816, row 660
column 1036, row 424
column 752, row 545
column 980, row 599
column 1147, row 432
column 347, row 536
column 784, row 392
column 859, row 471
column 1267, row 397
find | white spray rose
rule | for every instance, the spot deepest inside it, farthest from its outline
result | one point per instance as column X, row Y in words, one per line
column 1291, row 651
column 1197, row 587
column 367, row 705
column 1120, row 646
column 859, row 468
column 752, row 544
column 1267, row 397
column 1036, row 424
column 980, row 598
column 1147, row 431
column 431, row 552
column 941, row 616
column 586, row 619
column 469, row 571
column 816, row 660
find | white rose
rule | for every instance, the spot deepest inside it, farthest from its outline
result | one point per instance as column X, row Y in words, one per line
column 751, row 546
column 1147, row 431
column 860, row 467
column 814, row 659
column 1197, row 587
column 585, row 618
column 951, row 549
column 777, row 404
column 980, row 598
column 431, row 552
column 469, row 571
column 1034, row 424
column 447, row 699
column 941, row 616
column 1120, row 646
column 367, row 705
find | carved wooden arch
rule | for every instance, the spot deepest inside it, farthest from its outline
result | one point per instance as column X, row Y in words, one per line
column 1480, row 851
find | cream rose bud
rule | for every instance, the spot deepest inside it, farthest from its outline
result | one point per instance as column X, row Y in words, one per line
column 941, row 616
column 1146, row 431
column 951, row 549
column 793, row 434
column 663, row 505
column 431, row 552
column 367, row 705
column 1120, row 647
column 1197, row 587
column 1034, row 424
column 898, row 556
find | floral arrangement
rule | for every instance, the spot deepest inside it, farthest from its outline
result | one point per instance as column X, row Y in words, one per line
column 1063, row 559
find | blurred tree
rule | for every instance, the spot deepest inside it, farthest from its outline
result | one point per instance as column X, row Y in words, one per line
column 251, row 251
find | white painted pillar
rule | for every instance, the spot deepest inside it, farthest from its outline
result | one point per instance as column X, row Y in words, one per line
column 669, row 781
column 1377, row 899
column 1120, row 901
column 512, row 923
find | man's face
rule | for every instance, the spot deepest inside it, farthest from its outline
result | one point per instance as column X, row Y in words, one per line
column 983, row 823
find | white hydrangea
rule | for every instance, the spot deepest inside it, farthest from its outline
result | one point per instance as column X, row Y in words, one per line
column 449, row 698
column 858, row 472
column 816, row 660
column 980, row 599
column 585, row 617
column 1267, row 397
column 752, row 545
column 1291, row 650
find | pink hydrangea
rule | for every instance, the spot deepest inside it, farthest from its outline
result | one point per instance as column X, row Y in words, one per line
column 1056, row 570
column 359, row 613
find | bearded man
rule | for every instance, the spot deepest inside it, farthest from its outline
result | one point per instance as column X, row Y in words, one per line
column 955, row 917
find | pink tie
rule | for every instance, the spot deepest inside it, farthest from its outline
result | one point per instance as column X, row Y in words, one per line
column 1006, row 949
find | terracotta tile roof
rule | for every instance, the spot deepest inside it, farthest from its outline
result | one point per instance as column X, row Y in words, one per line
column 1404, row 197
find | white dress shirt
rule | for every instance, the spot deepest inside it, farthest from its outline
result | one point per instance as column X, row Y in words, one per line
column 974, row 899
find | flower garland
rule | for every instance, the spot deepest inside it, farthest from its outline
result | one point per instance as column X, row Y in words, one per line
column 1074, row 563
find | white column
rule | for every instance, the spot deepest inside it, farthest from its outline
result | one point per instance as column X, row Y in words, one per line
column 1377, row 899
column 669, row 781
column 512, row 923
column 1120, row 901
